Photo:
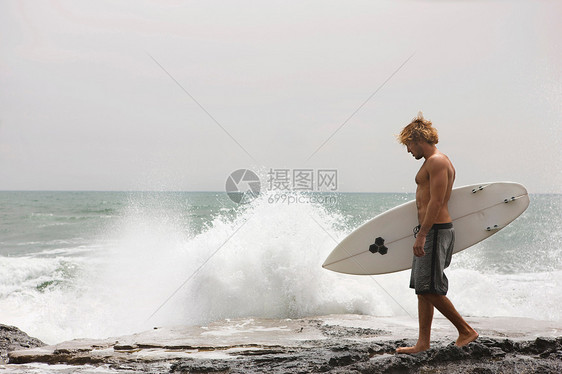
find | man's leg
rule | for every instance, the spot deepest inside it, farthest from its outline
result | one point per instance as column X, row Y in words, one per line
column 466, row 333
column 425, row 317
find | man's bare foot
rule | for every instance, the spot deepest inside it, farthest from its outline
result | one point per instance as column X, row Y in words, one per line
column 415, row 349
column 464, row 339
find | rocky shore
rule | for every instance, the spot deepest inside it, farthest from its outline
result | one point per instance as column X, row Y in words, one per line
column 13, row 339
column 334, row 344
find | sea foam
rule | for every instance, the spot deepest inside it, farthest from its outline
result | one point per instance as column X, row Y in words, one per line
column 152, row 267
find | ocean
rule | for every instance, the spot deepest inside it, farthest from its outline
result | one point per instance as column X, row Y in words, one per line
column 102, row 264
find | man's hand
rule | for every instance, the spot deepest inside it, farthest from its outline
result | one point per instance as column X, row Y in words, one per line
column 418, row 246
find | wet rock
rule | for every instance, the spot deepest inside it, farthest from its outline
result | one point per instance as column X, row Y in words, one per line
column 348, row 332
column 12, row 338
column 249, row 346
column 200, row 367
column 477, row 357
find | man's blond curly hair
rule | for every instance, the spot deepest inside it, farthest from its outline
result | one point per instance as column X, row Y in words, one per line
column 420, row 129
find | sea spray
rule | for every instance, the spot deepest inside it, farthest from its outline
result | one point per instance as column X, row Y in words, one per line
column 112, row 259
column 264, row 262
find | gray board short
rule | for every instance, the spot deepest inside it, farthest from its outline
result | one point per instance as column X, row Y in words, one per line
column 428, row 271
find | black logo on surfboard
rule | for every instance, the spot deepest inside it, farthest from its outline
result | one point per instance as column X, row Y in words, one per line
column 378, row 246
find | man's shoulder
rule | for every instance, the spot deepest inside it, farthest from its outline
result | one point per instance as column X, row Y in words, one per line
column 438, row 161
column 438, row 158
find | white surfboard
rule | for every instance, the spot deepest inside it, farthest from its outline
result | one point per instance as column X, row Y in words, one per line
column 384, row 244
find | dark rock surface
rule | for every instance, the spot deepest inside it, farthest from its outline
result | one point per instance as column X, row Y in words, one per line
column 12, row 338
column 481, row 357
column 329, row 344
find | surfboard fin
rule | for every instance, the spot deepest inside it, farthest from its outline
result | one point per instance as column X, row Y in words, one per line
column 479, row 188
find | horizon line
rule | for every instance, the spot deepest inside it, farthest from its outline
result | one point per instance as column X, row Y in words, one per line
column 224, row 192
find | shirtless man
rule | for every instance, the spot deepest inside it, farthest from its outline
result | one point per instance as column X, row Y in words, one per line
column 435, row 235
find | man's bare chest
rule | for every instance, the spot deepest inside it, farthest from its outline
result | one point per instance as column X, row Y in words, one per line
column 422, row 177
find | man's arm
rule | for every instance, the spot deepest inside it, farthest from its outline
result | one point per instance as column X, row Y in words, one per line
column 438, row 182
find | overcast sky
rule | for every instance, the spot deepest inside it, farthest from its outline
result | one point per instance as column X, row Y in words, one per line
column 175, row 95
